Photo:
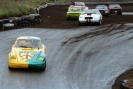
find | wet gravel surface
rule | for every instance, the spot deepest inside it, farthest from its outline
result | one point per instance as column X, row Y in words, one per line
column 86, row 57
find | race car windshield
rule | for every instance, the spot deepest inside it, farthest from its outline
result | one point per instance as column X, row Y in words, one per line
column 28, row 43
column 74, row 9
column 89, row 12
column 79, row 4
column 114, row 6
column 101, row 7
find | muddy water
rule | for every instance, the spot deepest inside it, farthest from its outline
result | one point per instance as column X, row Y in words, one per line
column 89, row 57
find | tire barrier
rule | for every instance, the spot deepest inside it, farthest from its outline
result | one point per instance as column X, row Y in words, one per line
column 15, row 20
column 1, row 25
column 25, row 20
column 8, row 23
column 127, row 84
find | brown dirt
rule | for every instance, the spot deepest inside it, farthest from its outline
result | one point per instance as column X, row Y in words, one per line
column 55, row 17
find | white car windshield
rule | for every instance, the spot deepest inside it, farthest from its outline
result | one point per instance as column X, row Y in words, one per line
column 28, row 43
column 90, row 12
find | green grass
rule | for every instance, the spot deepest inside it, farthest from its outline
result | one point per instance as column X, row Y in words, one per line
column 24, row 7
column 19, row 7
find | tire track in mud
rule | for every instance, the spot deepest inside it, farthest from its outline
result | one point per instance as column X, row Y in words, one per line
column 81, row 62
column 106, row 29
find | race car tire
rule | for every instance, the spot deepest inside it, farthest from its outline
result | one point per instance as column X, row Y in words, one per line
column 80, row 24
column 44, row 66
column 9, row 68
column 68, row 18
column 1, row 25
column 1, row 22
column 100, row 22
column 107, row 15
column 120, row 13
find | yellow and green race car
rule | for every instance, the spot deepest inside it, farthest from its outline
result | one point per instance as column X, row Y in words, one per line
column 27, row 52
column 73, row 12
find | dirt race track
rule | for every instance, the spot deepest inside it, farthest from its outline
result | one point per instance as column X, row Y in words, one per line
column 55, row 17
column 78, row 57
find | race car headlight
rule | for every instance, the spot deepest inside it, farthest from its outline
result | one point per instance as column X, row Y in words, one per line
column 106, row 11
column 40, row 58
column 68, row 14
column 80, row 16
column 12, row 58
column 43, row 59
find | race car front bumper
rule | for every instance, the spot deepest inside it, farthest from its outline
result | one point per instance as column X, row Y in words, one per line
column 26, row 65
column 88, row 21
column 18, row 65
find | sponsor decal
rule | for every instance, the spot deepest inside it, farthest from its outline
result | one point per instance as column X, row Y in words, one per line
column 27, row 54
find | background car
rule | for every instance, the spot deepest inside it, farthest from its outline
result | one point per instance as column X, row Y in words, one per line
column 115, row 9
column 81, row 4
column 27, row 52
column 91, row 16
column 73, row 12
column 103, row 9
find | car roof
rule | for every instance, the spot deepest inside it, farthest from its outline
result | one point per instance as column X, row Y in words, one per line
column 74, row 6
column 78, row 3
column 90, row 10
column 101, row 5
column 114, row 5
column 29, row 37
column 71, row 7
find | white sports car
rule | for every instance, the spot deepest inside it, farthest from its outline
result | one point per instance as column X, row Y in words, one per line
column 90, row 16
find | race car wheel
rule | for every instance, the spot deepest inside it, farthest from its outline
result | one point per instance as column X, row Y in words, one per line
column 80, row 24
column 107, row 15
column 120, row 13
column 100, row 22
column 44, row 66
column 9, row 68
column 1, row 25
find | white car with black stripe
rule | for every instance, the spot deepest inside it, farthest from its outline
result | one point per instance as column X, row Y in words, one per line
column 90, row 16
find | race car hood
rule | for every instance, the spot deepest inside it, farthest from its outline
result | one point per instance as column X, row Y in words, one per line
column 29, row 55
column 102, row 9
column 92, row 15
column 83, row 7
